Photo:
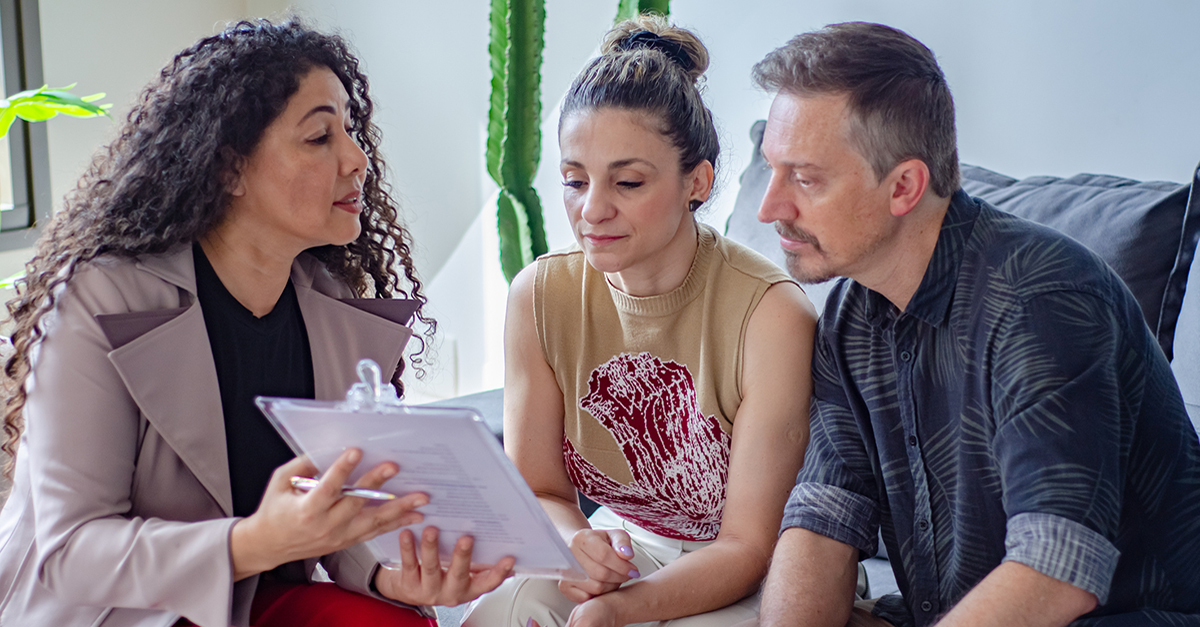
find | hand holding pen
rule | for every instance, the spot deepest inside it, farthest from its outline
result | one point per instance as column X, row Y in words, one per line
column 308, row 483
column 292, row 525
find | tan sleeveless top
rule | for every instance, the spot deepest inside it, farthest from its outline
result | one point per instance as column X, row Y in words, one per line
column 651, row 385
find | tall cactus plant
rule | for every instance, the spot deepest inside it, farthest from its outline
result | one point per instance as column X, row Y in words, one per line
column 627, row 9
column 514, row 141
column 514, row 128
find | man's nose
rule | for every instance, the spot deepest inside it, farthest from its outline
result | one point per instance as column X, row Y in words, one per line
column 776, row 205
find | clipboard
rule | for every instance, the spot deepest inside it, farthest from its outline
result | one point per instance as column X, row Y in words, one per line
column 446, row 452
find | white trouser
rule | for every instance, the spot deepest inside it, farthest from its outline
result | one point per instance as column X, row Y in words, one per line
column 522, row 598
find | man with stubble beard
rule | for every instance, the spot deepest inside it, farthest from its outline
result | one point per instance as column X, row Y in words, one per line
column 986, row 392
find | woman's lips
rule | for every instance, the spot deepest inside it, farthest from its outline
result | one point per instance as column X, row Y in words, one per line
column 601, row 240
column 349, row 204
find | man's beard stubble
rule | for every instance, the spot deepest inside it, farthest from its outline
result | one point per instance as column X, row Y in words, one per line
column 810, row 276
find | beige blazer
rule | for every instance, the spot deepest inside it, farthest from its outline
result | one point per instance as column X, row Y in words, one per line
column 121, row 507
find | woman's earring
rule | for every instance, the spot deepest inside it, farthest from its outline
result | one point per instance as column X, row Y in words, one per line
column 694, row 205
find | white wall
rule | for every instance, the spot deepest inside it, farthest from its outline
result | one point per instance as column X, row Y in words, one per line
column 1041, row 88
column 117, row 47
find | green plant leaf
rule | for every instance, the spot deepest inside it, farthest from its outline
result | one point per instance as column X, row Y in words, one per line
column 498, row 55
column 38, row 105
column 661, row 7
column 512, row 221
column 514, row 128
column 522, row 137
column 11, row 282
column 627, row 9
column 70, row 104
column 528, row 197
column 33, row 111
column 7, row 117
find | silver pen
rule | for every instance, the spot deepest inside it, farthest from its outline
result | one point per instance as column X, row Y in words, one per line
column 308, row 483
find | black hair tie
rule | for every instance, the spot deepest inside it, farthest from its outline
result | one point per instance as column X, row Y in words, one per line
column 673, row 49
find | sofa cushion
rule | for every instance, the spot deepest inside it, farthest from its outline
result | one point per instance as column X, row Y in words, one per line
column 489, row 404
column 1186, row 364
column 1138, row 228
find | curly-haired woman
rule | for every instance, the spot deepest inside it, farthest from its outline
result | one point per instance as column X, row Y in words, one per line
column 211, row 254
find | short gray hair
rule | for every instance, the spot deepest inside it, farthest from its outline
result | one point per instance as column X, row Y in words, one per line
column 900, row 104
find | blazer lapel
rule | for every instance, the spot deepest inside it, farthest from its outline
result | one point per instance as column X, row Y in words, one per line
column 340, row 334
column 166, row 360
column 170, row 374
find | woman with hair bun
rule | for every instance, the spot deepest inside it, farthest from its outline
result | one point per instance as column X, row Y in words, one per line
column 646, row 366
column 216, row 250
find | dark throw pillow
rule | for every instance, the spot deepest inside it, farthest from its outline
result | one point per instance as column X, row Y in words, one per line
column 1136, row 227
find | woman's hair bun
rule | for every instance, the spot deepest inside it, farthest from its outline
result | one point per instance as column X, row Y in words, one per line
column 650, row 31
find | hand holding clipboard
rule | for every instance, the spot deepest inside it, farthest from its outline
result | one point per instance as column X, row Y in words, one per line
column 446, row 453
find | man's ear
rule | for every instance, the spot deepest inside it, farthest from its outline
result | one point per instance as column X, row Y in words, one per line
column 700, row 181
column 908, row 182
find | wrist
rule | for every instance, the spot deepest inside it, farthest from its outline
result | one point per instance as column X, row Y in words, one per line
column 246, row 551
column 381, row 584
column 615, row 606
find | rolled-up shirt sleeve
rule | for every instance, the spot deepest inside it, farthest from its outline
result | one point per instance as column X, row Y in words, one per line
column 1060, row 441
column 835, row 490
column 1062, row 549
column 834, row 513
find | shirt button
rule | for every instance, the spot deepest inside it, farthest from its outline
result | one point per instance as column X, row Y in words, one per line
column 905, row 356
column 923, row 524
column 926, row 606
column 912, row 440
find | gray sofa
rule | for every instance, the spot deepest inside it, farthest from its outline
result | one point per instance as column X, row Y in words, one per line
column 1147, row 231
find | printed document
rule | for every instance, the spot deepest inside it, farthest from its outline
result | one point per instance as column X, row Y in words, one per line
column 450, row 455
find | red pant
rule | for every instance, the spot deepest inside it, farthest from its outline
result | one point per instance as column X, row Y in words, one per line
column 323, row 605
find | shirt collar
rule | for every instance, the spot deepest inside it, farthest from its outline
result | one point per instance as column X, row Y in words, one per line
column 931, row 302
column 176, row 267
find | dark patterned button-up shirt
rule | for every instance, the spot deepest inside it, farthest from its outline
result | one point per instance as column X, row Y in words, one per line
column 1018, row 409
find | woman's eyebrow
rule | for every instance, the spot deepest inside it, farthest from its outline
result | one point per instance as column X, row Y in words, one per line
column 616, row 165
column 322, row 109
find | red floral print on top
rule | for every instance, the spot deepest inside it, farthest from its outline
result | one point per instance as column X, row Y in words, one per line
column 679, row 458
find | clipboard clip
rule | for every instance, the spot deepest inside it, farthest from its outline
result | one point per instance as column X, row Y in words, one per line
column 370, row 390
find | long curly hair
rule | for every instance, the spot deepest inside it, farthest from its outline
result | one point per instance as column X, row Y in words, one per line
column 164, row 180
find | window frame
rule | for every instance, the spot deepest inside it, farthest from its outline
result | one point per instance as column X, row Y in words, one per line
column 29, row 153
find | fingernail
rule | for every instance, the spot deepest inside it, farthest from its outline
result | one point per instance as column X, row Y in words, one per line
column 626, row 551
column 529, row 623
column 634, row 574
column 389, row 472
column 354, row 456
